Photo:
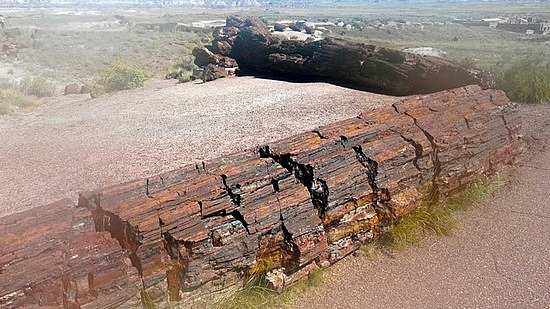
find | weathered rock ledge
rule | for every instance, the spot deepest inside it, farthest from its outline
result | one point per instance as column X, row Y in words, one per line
column 194, row 234
column 247, row 43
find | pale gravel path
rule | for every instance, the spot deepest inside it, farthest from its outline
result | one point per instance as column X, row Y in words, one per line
column 499, row 258
column 75, row 143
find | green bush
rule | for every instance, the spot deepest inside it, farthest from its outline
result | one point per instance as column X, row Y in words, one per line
column 526, row 81
column 38, row 86
column 119, row 76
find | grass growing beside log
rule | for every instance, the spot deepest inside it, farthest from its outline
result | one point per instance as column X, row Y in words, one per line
column 253, row 296
column 527, row 81
column 438, row 218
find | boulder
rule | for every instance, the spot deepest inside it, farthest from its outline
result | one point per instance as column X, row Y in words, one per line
column 221, row 47
column 72, row 88
column 279, row 27
column 295, row 27
column 234, row 21
column 204, row 57
column 212, row 72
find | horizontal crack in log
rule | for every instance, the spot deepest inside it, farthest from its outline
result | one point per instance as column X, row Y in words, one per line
column 235, row 214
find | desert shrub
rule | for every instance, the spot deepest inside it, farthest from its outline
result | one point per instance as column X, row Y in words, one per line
column 12, row 100
column 183, row 70
column 6, row 83
column 119, row 76
column 526, row 81
column 37, row 86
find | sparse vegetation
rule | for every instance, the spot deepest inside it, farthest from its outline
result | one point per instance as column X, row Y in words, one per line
column 184, row 70
column 255, row 296
column 252, row 297
column 185, row 77
column 371, row 249
column 440, row 218
column 527, row 81
column 119, row 76
column 37, row 86
column 12, row 100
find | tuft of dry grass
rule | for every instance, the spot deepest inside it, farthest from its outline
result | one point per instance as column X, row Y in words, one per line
column 254, row 296
column 11, row 101
column 441, row 218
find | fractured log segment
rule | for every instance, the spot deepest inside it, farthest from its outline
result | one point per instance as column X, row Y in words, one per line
column 52, row 256
column 212, row 222
column 283, row 209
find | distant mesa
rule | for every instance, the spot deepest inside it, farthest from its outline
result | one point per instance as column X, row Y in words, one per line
column 246, row 45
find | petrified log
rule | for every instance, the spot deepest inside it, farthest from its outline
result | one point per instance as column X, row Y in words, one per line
column 366, row 67
column 53, row 256
column 195, row 233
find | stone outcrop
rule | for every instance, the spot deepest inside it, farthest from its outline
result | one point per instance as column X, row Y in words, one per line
column 366, row 67
column 72, row 88
column 284, row 209
column 204, row 57
column 9, row 47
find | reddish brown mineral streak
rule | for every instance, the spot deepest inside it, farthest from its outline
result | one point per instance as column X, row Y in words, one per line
column 311, row 199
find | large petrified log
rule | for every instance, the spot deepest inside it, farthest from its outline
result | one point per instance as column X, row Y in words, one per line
column 361, row 66
column 198, row 232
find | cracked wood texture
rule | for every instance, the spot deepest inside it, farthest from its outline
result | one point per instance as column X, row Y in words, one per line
column 194, row 234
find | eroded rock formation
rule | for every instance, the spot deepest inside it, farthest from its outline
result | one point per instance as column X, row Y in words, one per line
column 366, row 67
column 196, row 233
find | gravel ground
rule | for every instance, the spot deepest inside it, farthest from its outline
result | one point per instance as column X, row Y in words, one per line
column 499, row 258
column 74, row 143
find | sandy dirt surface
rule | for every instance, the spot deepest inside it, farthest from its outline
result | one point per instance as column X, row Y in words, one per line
column 499, row 258
column 75, row 143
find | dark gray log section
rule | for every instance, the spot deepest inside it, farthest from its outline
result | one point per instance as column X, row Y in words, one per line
column 367, row 67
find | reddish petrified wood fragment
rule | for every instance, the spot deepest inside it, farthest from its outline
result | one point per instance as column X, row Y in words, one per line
column 52, row 256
